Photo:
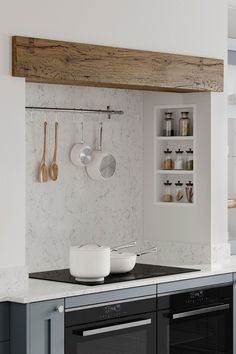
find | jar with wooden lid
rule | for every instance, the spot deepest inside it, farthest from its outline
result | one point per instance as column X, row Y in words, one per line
column 184, row 124
column 168, row 124
column 189, row 191
column 179, row 161
column 167, row 162
column 167, row 195
column 189, row 160
column 179, row 193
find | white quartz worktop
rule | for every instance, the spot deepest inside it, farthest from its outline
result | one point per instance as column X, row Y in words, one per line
column 40, row 290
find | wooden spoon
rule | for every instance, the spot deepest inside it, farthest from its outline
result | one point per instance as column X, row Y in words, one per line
column 43, row 170
column 53, row 170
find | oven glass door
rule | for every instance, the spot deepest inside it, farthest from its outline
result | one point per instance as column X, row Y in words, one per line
column 200, row 331
column 129, row 335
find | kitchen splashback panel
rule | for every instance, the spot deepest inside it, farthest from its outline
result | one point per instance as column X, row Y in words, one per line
column 76, row 209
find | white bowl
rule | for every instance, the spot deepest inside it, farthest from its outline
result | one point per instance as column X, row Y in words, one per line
column 122, row 262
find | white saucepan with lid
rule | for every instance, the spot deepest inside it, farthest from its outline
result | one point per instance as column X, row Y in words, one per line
column 90, row 263
column 103, row 164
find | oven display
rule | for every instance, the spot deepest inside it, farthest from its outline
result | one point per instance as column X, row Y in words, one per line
column 196, row 297
column 113, row 311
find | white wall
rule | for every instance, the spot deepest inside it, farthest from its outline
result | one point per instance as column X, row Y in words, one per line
column 231, row 87
column 219, row 219
column 12, row 180
column 232, row 22
column 197, row 233
column 232, row 175
column 184, row 26
column 184, row 231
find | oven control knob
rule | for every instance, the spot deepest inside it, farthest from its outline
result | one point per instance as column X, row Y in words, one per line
column 60, row 308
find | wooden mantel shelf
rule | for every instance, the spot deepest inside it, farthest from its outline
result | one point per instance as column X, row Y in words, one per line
column 57, row 62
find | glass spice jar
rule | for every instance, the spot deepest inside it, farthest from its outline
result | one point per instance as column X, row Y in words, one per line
column 168, row 124
column 184, row 124
column 179, row 161
column 179, row 193
column 189, row 160
column 167, row 196
column 168, row 162
column 189, row 191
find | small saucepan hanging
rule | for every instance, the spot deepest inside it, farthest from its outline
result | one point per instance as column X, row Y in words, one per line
column 103, row 164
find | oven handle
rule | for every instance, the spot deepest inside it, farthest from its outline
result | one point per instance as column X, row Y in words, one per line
column 118, row 327
column 204, row 310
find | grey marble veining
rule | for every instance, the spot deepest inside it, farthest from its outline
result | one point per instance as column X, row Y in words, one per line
column 13, row 280
column 76, row 209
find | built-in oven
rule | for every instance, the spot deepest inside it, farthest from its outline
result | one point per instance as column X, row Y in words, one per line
column 196, row 322
column 122, row 327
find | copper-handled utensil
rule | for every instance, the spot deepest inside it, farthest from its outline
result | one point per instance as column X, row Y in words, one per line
column 43, row 170
column 53, row 169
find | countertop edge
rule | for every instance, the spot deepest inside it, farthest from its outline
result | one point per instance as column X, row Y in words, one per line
column 43, row 290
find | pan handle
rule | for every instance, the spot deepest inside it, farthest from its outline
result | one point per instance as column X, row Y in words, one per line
column 126, row 245
column 147, row 251
column 100, row 137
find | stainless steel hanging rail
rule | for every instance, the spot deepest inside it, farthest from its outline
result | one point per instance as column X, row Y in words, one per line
column 107, row 111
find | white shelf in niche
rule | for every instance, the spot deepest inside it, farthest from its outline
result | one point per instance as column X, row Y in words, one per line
column 161, row 143
column 175, row 138
column 175, row 204
column 175, row 172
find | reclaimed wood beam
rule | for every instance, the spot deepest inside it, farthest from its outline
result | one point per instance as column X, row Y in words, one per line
column 58, row 62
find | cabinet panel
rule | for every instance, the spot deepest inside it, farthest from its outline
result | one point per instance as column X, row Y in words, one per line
column 234, row 314
column 4, row 348
column 109, row 296
column 4, row 322
column 46, row 332
column 194, row 283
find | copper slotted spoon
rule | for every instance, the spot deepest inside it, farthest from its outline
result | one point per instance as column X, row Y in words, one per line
column 43, row 170
column 53, row 169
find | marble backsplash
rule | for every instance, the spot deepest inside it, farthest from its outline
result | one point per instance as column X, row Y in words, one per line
column 76, row 209
column 174, row 253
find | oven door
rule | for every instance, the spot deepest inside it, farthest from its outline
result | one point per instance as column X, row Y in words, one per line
column 205, row 330
column 129, row 335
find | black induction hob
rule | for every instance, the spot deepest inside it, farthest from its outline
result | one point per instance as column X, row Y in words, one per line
column 140, row 271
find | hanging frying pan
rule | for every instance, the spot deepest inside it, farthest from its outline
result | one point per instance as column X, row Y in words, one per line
column 103, row 164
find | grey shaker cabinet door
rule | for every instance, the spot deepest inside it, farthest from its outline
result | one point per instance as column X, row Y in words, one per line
column 4, row 348
column 234, row 314
column 46, row 327
column 4, row 322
